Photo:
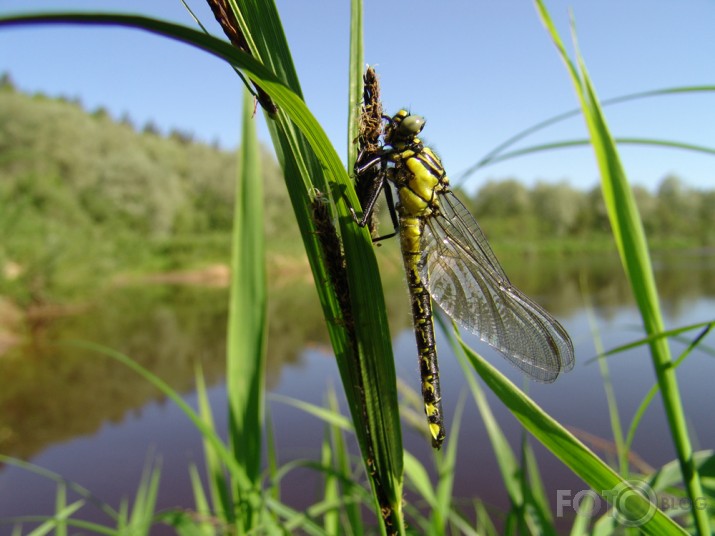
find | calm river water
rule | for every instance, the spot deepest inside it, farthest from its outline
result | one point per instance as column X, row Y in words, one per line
column 96, row 422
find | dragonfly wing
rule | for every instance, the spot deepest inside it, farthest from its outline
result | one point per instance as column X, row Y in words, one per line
column 466, row 280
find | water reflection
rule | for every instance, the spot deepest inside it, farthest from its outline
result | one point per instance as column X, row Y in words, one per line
column 53, row 392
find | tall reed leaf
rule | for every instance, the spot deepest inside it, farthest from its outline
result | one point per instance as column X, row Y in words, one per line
column 633, row 250
column 355, row 71
column 368, row 377
column 219, row 488
column 245, row 368
column 372, row 372
column 564, row 445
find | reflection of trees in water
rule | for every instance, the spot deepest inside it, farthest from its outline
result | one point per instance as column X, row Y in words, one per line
column 682, row 278
column 295, row 319
column 54, row 392
column 554, row 281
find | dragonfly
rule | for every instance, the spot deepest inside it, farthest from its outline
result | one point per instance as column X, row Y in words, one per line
column 447, row 259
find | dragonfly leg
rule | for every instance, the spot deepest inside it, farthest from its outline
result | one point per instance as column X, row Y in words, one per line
column 393, row 214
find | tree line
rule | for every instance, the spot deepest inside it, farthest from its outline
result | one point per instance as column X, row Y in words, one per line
column 673, row 213
column 82, row 195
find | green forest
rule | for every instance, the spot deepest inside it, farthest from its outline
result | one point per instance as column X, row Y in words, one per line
column 85, row 197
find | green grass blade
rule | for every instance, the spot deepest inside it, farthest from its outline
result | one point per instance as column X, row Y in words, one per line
column 650, row 395
column 630, row 240
column 272, row 456
column 484, row 522
column 331, row 494
column 535, row 493
column 374, row 379
column 446, row 467
column 247, row 322
column 498, row 153
column 294, row 521
column 60, row 520
column 506, row 459
column 206, row 431
column 60, row 505
column 89, row 527
column 511, row 473
column 261, row 25
column 61, row 481
column 332, row 417
column 142, row 516
column 567, row 144
column 203, row 509
column 362, row 494
column 562, row 443
column 527, row 497
column 355, row 70
column 123, row 518
column 616, row 428
column 669, row 474
column 580, row 524
column 349, row 488
column 459, row 525
column 219, row 489
column 419, row 479
column 663, row 334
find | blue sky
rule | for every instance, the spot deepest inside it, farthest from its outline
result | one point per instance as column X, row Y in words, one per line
column 479, row 71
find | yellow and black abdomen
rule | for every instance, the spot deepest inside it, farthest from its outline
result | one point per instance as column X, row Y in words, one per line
column 419, row 176
column 410, row 233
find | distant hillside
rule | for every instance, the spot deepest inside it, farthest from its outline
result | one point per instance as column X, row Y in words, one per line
column 83, row 195
column 158, row 185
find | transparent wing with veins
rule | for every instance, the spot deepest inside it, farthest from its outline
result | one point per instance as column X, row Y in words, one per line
column 465, row 278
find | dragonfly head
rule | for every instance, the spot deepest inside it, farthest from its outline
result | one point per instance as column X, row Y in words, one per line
column 403, row 128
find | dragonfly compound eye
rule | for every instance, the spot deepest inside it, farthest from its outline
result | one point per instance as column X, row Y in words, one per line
column 411, row 126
